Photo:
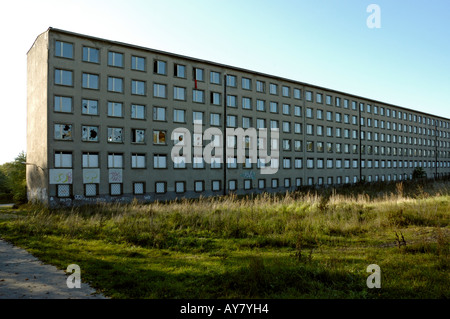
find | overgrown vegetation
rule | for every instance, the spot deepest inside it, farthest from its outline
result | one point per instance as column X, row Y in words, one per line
column 13, row 185
column 297, row 245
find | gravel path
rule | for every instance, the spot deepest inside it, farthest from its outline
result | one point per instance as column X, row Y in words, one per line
column 23, row 276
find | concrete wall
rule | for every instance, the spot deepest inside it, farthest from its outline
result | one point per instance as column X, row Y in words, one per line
column 37, row 112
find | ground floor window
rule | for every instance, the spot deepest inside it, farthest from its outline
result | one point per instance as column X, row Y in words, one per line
column 63, row 190
column 90, row 190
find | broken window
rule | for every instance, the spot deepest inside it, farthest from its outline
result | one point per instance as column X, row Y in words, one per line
column 89, row 107
column 115, row 134
column 159, row 137
column 89, row 133
column 63, row 132
column 138, row 136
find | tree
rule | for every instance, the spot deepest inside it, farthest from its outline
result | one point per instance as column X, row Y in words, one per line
column 418, row 173
column 13, row 178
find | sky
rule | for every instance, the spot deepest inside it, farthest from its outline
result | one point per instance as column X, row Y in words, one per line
column 405, row 62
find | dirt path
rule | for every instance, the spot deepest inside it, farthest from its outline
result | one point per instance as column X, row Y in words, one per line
column 22, row 276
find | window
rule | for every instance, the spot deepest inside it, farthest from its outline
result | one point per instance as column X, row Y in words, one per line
column 232, row 185
column 286, row 163
column 214, row 77
column 320, row 114
column 260, row 123
column 231, row 120
column 198, row 96
column 91, row 55
column 137, row 87
column 198, row 74
column 319, row 98
column 179, row 93
column 159, row 90
column 309, row 129
column 62, row 104
column 297, row 110
column 215, row 186
column 274, row 182
column 286, row 109
column 90, row 190
column 309, row 112
column 115, row 59
column 198, row 162
column 179, row 71
column 138, row 188
column 137, row 111
column 274, row 124
column 63, row 77
column 115, row 189
column 246, row 122
column 159, row 161
column 89, row 133
column 260, row 86
column 137, row 63
column 63, row 159
column 115, row 109
column 138, row 161
column 63, row 49
column 273, row 107
column 246, row 103
column 286, row 127
column 231, row 100
column 197, row 117
column 273, row 89
column 246, row 84
column 297, row 94
column 286, row 145
column 216, row 98
column 180, row 187
column 261, row 183
column 310, row 163
column 159, row 113
column 231, row 162
column 298, row 145
column 231, row 81
column 115, row 135
column 320, row 163
column 261, row 105
column 179, row 162
column 64, row 190
column 115, row 160
column 90, row 160
column 160, row 67
column 247, row 184
column 90, row 81
column 137, row 136
column 159, row 137
column 89, row 107
column 115, row 84
column 298, row 163
column 215, row 119
column 63, row 132
column 285, row 91
column 160, row 187
column 179, row 116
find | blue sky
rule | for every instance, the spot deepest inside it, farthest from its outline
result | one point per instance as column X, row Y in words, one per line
column 406, row 62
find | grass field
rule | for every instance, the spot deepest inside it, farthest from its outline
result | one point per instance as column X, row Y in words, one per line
column 314, row 244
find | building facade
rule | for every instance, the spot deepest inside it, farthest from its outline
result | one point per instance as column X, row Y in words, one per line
column 102, row 121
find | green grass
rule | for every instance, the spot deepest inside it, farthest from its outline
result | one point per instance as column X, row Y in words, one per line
column 298, row 245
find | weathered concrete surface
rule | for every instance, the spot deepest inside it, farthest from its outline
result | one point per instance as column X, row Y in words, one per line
column 23, row 276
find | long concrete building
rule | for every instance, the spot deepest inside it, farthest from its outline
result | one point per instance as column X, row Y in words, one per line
column 102, row 120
